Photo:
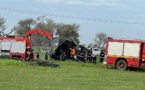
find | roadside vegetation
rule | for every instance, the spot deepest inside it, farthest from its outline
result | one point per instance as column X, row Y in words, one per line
column 70, row 75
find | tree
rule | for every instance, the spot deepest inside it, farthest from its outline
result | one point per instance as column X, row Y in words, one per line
column 3, row 27
column 47, row 25
column 24, row 26
column 68, row 31
column 100, row 39
column 42, row 23
column 92, row 45
column 62, row 30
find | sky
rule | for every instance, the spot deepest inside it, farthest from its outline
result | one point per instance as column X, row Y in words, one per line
column 116, row 18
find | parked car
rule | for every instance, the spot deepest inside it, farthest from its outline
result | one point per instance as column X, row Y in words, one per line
column 96, row 51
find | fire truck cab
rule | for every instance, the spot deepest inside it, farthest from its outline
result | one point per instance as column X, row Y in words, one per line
column 124, row 53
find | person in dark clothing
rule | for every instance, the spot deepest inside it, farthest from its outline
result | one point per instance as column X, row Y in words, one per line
column 81, row 57
column 37, row 56
column 89, row 57
column 93, row 58
column 46, row 56
column 102, row 54
column 31, row 57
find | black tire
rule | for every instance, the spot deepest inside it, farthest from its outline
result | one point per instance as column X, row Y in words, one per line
column 121, row 65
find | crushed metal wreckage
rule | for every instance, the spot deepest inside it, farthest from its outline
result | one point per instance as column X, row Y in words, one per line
column 62, row 51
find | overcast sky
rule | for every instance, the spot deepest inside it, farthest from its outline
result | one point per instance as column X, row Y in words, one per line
column 116, row 18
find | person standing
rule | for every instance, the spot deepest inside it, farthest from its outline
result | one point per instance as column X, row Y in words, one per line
column 46, row 55
column 89, row 56
column 31, row 57
column 93, row 58
column 73, row 53
column 102, row 54
column 37, row 56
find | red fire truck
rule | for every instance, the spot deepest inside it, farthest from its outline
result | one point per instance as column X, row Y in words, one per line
column 19, row 47
column 124, row 53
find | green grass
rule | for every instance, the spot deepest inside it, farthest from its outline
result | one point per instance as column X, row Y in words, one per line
column 68, row 76
column 13, row 62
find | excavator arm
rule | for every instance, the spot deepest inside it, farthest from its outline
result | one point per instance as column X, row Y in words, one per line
column 35, row 31
column 28, row 38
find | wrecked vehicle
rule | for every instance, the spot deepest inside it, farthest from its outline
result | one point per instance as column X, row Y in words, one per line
column 62, row 51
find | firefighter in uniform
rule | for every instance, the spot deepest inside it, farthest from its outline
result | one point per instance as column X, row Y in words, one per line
column 102, row 54
column 73, row 53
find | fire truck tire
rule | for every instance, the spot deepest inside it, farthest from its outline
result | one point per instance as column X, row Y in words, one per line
column 121, row 65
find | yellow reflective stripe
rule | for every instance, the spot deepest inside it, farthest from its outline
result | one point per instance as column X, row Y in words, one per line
column 115, row 56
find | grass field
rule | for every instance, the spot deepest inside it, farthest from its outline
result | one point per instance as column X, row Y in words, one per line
column 16, row 75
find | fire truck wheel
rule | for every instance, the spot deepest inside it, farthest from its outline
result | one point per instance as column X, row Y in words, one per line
column 121, row 65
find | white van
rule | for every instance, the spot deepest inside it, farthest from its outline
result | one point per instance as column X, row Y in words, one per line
column 96, row 51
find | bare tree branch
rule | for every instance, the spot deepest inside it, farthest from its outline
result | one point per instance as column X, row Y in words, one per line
column 100, row 39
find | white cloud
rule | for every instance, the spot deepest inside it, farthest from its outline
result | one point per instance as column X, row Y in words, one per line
column 82, row 2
